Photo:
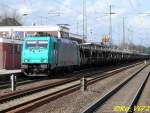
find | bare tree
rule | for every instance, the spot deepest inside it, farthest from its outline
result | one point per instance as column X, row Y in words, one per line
column 10, row 18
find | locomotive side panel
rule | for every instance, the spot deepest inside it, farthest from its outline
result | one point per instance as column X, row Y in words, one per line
column 67, row 53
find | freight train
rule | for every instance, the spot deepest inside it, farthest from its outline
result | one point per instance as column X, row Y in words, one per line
column 46, row 54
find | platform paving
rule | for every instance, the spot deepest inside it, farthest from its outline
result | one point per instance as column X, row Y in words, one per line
column 7, row 72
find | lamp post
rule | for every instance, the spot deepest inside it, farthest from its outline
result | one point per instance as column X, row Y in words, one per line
column 24, row 14
column 110, row 23
column 24, row 33
column 77, row 27
column 13, row 49
column 123, row 28
column 84, row 21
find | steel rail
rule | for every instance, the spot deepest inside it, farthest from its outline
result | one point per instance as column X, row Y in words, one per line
column 18, row 83
column 102, row 100
column 16, row 94
column 57, row 94
column 137, row 95
column 22, row 81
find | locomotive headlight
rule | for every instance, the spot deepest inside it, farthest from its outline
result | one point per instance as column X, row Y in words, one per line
column 44, row 60
column 26, row 60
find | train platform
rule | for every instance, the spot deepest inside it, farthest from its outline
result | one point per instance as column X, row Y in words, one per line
column 7, row 72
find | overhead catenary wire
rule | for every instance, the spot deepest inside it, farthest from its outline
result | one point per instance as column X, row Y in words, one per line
column 131, row 4
column 59, row 3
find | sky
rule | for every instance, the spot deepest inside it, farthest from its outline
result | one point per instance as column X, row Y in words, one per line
column 135, row 12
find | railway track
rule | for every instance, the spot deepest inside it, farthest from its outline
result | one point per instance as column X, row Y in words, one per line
column 26, row 100
column 23, row 81
column 20, row 82
column 122, row 97
column 138, row 93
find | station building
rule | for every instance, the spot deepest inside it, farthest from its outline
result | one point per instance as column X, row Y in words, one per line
column 11, row 39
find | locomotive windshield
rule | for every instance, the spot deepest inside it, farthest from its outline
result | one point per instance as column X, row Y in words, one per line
column 30, row 44
column 42, row 44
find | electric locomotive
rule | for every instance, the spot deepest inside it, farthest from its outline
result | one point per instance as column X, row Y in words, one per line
column 45, row 54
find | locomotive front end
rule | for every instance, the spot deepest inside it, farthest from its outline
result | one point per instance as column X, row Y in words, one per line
column 35, row 55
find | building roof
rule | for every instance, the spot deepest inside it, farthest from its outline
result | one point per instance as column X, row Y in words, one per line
column 75, row 35
column 33, row 28
column 17, row 29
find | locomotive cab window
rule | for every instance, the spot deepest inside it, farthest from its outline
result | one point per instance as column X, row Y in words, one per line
column 42, row 44
column 37, row 44
column 30, row 44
